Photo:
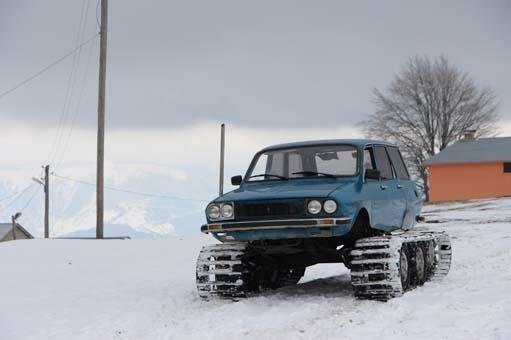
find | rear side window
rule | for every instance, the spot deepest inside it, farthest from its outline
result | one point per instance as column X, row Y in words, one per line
column 507, row 167
column 368, row 159
column 382, row 162
column 399, row 164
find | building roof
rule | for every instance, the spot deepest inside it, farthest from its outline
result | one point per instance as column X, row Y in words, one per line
column 357, row 142
column 7, row 228
column 481, row 150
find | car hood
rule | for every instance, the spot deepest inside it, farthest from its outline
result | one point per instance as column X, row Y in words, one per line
column 284, row 190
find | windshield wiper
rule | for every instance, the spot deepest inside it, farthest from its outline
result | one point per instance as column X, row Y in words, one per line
column 270, row 175
column 310, row 173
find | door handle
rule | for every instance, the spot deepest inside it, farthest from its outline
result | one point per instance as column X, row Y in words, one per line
column 383, row 187
column 400, row 186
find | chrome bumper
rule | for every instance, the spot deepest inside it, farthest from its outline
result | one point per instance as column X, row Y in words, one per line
column 274, row 224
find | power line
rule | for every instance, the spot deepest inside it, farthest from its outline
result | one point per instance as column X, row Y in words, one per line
column 30, row 200
column 71, row 82
column 77, row 109
column 9, row 196
column 46, row 68
column 18, row 195
column 97, row 15
column 131, row 191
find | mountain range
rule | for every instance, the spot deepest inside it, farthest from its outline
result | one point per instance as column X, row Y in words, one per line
column 141, row 200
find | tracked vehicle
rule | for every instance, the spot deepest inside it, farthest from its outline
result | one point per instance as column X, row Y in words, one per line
column 299, row 204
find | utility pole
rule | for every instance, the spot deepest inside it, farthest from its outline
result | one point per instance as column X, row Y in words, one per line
column 47, row 201
column 101, row 120
column 222, row 156
column 13, row 228
column 14, row 218
column 46, row 187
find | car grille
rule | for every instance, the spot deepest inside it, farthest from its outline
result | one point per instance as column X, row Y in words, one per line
column 269, row 209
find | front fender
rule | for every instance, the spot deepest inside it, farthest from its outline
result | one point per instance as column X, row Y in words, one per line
column 350, row 203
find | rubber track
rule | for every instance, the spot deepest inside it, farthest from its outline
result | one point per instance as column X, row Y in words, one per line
column 220, row 270
column 444, row 257
column 375, row 262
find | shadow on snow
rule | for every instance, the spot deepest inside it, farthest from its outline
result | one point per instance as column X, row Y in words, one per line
column 335, row 286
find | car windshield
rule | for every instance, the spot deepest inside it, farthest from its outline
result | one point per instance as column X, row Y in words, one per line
column 304, row 162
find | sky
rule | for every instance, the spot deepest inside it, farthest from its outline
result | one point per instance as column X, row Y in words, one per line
column 272, row 71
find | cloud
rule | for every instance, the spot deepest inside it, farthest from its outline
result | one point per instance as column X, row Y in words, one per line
column 259, row 64
column 158, row 151
column 198, row 144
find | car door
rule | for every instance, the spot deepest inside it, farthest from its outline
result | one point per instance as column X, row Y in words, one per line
column 373, row 194
column 395, row 205
column 405, row 188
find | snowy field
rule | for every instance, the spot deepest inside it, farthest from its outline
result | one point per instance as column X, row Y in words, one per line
column 145, row 289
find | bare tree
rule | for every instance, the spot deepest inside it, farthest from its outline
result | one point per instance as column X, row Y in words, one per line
column 428, row 106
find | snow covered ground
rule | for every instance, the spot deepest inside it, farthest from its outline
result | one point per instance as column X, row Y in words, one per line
column 145, row 289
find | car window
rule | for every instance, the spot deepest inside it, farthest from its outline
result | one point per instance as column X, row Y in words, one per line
column 295, row 163
column 275, row 164
column 312, row 161
column 261, row 167
column 399, row 164
column 342, row 161
column 369, row 159
column 383, row 162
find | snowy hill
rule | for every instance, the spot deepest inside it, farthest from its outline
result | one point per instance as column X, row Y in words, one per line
column 175, row 207
column 145, row 289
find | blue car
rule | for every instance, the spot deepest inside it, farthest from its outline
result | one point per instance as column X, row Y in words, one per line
column 323, row 201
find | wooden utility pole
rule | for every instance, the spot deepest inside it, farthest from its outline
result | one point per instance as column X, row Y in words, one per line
column 222, row 157
column 46, row 187
column 13, row 227
column 14, row 219
column 101, row 120
column 47, row 201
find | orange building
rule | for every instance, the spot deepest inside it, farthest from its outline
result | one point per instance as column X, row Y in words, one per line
column 471, row 169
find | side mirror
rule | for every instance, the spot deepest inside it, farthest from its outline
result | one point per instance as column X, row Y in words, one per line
column 372, row 174
column 236, row 180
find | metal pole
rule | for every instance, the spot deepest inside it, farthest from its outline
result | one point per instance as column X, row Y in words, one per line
column 222, row 151
column 13, row 227
column 101, row 120
column 47, row 201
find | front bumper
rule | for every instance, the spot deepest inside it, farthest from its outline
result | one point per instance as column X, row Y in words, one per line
column 227, row 226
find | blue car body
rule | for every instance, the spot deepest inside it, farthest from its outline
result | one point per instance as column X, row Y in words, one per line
column 388, row 203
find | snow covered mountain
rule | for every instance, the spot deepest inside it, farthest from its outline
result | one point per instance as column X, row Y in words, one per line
column 115, row 230
column 152, row 200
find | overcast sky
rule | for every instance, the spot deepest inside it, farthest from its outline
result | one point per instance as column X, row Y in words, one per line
column 266, row 64
column 275, row 71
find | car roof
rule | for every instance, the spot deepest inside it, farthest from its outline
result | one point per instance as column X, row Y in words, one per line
column 357, row 142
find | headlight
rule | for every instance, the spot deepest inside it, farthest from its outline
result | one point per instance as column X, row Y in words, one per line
column 213, row 212
column 221, row 211
column 314, row 207
column 330, row 206
column 227, row 211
